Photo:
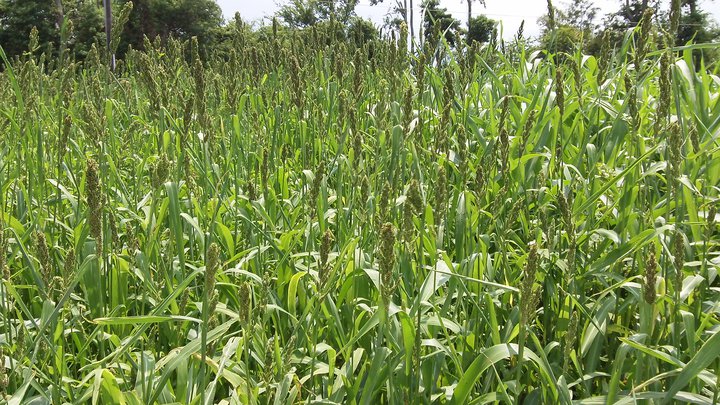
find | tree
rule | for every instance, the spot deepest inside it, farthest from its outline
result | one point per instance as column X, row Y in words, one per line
column 697, row 26
column 469, row 5
column 437, row 20
column 629, row 14
column 481, row 29
column 362, row 31
column 400, row 10
column 306, row 13
column 564, row 30
column 181, row 19
column 88, row 26
column 580, row 14
column 18, row 17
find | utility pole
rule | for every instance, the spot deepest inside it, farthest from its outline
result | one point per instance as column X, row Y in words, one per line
column 60, row 17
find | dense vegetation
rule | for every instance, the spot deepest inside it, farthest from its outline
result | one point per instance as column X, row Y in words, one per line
column 307, row 220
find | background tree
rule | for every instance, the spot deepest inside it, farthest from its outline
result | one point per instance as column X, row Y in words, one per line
column 580, row 14
column 182, row 19
column 397, row 16
column 629, row 14
column 362, row 31
column 306, row 13
column 481, row 29
column 469, row 5
column 571, row 26
column 18, row 17
column 438, row 21
column 697, row 26
column 88, row 26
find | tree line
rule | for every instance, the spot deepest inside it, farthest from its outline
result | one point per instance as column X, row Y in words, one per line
column 75, row 25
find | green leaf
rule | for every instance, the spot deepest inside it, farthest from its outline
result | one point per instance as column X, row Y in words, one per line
column 708, row 353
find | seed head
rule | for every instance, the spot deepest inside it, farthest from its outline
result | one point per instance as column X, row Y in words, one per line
column 407, row 225
column 184, row 299
column 407, row 108
column 711, row 214
column 527, row 130
column 665, row 86
column 387, row 261
column 632, row 99
column 570, row 338
column 384, row 202
column 69, row 265
column 43, row 256
column 605, row 57
column 64, row 136
column 112, row 224
column 4, row 379
column 479, row 179
column 20, row 342
column 212, row 263
column 529, row 299
column 675, row 144
column 565, row 204
column 357, row 147
column 269, row 361
column 551, row 15
column 212, row 304
column 442, row 192
column 674, row 17
column 679, row 257
column 449, row 89
column 645, row 26
column 358, row 73
column 364, row 189
column 160, row 172
column 694, row 138
column 462, row 149
column 264, row 169
column 560, row 91
column 650, row 278
column 422, row 61
column 245, row 302
column 132, row 243
column 414, row 197
column 325, row 247
column 251, row 191
column 95, row 203
column 317, row 182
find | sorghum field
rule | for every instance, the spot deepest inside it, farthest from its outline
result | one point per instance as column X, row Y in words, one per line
column 307, row 221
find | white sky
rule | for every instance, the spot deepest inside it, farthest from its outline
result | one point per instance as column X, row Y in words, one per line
column 510, row 12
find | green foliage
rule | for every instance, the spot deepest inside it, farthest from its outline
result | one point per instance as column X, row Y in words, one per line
column 362, row 31
column 306, row 13
column 482, row 29
column 18, row 17
column 302, row 220
column 696, row 26
column 88, row 26
column 182, row 19
column 439, row 23
column 573, row 27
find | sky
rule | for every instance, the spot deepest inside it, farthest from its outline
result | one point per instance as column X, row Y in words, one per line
column 510, row 12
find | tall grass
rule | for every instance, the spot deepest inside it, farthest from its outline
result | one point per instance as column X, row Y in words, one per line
column 306, row 221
